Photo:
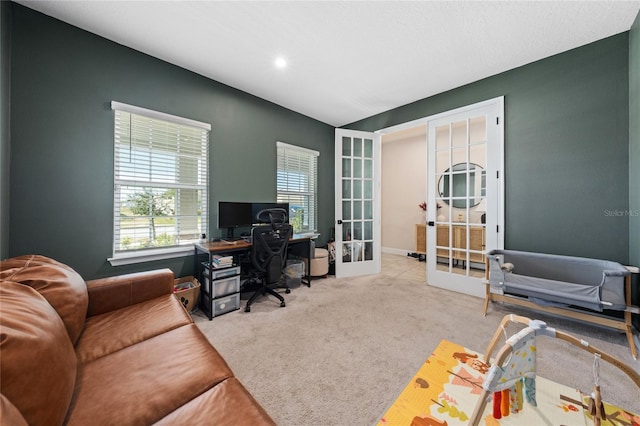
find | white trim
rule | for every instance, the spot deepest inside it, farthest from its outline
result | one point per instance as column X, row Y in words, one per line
column 425, row 120
column 159, row 115
column 396, row 251
column 140, row 256
column 311, row 234
column 502, row 213
column 297, row 148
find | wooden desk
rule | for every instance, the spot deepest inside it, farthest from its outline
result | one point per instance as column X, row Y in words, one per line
column 298, row 244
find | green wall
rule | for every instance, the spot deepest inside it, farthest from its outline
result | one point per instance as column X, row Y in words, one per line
column 63, row 80
column 567, row 144
column 634, row 143
column 566, row 148
column 5, row 104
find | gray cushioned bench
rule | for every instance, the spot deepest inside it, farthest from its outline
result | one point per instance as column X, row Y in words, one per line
column 562, row 285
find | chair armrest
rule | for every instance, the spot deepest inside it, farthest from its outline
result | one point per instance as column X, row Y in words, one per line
column 109, row 294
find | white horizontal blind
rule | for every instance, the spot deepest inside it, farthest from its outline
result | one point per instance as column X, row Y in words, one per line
column 297, row 185
column 160, row 180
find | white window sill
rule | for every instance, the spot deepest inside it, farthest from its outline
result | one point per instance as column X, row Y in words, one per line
column 310, row 234
column 140, row 256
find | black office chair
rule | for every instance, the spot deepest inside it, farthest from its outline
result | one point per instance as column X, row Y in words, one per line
column 269, row 244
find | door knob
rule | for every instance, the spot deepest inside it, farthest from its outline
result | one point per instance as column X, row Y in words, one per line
column 339, row 221
column 431, row 223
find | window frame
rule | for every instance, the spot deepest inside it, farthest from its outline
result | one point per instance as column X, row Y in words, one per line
column 285, row 151
column 123, row 257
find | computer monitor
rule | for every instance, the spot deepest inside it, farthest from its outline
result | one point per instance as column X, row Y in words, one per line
column 257, row 207
column 233, row 215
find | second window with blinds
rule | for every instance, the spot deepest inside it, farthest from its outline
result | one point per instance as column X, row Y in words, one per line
column 297, row 176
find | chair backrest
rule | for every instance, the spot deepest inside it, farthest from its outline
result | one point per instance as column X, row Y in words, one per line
column 275, row 215
column 269, row 249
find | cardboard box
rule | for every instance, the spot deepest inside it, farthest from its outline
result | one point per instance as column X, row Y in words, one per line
column 187, row 291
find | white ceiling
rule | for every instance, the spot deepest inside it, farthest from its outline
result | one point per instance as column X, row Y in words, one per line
column 347, row 60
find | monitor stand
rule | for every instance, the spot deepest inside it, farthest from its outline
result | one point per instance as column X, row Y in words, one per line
column 230, row 236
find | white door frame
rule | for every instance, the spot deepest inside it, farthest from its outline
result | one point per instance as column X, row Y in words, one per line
column 424, row 121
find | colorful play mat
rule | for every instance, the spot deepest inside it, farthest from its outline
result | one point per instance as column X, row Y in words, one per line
column 447, row 387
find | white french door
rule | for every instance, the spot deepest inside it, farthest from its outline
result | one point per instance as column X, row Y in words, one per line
column 464, row 183
column 357, row 208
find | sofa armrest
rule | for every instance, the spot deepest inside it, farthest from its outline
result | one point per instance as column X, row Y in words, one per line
column 109, row 294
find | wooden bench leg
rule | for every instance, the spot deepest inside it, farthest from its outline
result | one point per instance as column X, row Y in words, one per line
column 629, row 332
column 487, row 297
column 627, row 316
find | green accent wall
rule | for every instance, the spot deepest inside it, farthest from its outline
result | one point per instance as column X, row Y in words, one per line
column 571, row 123
column 634, row 143
column 566, row 148
column 5, row 116
column 63, row 80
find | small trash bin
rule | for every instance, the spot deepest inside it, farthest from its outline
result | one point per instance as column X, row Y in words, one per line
column 293, row 272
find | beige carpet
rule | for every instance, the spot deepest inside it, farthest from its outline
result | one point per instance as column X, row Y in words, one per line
column 341, row 351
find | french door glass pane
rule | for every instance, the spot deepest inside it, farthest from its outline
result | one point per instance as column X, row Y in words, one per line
column 346, row 167
column 346, row 231
column 368, row 230
column 368, row 169
column 346, row 188
column 368, row 210
column 357, row 189
column 368, row 148
column 357, row 168
column 459, row 133
column 442, row 138
column 357, row 230
column 368, row 189
column 346, row 210
column 477, row 129
column 346, row 147
column 357, row 210
column 357, row 147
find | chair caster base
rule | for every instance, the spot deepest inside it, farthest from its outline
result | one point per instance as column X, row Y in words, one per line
column 247, row 309
column 288, row 291
column 282, row 304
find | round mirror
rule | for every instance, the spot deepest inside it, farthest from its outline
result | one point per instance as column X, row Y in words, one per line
column 452, row 185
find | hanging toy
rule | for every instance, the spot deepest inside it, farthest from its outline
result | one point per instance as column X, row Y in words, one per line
column 497, row 402
column 505, row 403
column 596, row 407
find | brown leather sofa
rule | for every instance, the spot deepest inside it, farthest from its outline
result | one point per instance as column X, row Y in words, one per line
column 117, row 351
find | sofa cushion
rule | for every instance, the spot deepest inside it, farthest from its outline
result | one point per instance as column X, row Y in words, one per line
column 115, row 330
column 38, row 367
column 143, row 383
column 9, row 414
column 63, row 288
column 229, row 403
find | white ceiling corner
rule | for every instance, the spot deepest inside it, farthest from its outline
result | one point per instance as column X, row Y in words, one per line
column 348, row 60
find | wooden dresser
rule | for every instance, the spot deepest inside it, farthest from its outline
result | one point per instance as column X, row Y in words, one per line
column 421, row 238
column 476, row 242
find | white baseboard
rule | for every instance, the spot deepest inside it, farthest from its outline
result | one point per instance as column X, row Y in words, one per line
column 391, row 250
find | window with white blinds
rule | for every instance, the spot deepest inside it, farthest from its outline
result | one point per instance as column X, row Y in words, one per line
column 297, row 185
column 160, row 179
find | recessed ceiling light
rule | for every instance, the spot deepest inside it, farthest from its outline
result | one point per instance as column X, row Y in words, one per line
column 280, row 62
